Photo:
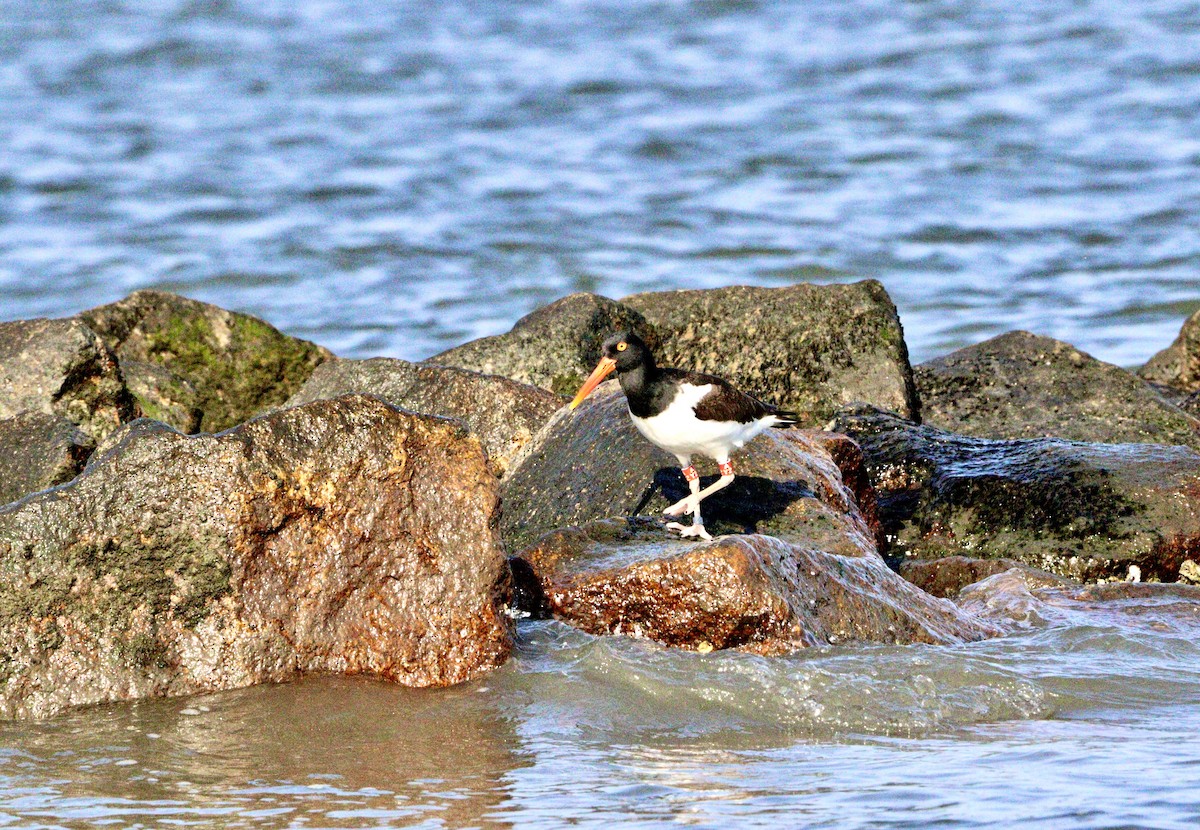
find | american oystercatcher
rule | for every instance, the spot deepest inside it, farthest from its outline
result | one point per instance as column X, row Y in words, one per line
column 684, row 413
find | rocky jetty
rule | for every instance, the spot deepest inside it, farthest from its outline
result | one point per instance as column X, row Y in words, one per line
column 343, row 536
column 807, row 348
column 389, row 518
column 1084, row 510
column 502, row 413
column 1020, row 385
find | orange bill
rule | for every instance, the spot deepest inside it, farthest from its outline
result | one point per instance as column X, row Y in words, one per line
column 602, row 370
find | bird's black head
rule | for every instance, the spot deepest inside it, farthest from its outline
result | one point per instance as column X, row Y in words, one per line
column 623, row 352
column 627, row 350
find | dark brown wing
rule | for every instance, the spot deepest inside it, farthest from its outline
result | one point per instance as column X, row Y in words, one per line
column 724, row 403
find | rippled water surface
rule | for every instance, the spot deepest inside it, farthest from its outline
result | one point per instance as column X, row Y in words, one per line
column 394, row 178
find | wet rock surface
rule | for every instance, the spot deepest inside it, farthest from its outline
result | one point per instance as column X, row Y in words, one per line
column 753, row 592
column 61, row 367
column 1021, row 385
column 237, row 365
column 343, row 536
column 1178, row 365
column 39, row 450
column 591, row 463
column 504, row 414
column 555, row 347
column 948, row 576
column 1077, row 509
column 1015, row 599
column 808, row 348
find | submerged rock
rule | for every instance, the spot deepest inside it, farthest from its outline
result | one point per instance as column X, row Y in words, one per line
column 555, row 347
column 1020, row 385
column 343, row 536
column 39, row 450
column 948, row 576
column 591, row 463
column 504, row 414
column 60, row 367
column 808, row 348
column 752, row 592
column 1077, row 509
column 237, row 365
column 1178, row 365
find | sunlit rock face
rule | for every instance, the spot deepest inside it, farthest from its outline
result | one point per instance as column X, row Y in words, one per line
column 342, row 536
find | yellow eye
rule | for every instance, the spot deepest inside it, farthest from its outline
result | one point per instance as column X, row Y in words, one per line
column 622, row 347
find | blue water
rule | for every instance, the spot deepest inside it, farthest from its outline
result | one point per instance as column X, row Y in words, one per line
column 394, row 178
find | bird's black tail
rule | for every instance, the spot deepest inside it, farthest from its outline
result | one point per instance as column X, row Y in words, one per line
column 787, row 419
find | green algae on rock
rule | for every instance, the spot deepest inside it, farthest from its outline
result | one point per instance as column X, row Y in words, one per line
column 807, row 348
column 1082, row 510
column 237, row 365
column 342, row 536
column 1021, row 385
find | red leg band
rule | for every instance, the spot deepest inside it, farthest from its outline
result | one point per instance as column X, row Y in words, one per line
column 726, row 468
column 690, row 473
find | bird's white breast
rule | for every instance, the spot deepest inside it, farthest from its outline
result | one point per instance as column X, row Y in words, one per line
column 678, row 430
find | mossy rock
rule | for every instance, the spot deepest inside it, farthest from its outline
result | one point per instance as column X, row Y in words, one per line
column 237, row 365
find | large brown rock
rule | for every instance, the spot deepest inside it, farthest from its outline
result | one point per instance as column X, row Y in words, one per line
column 37, row 451
column 343, row 536
column 60, row 367
column 752, row 592
column 504, row 414
column 1178, row 365
column 237, row 365
column 1021, row 385
column 808, row 348
column 591, row 463
column 555, row 347
column 1082, row 510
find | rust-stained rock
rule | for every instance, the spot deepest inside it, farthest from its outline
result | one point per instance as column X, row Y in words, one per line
column 947, row 576
column 591, row 463
column 39, row 450
column 504, row 414
column 850, row 461
column 1021, row 385
column 237, row 365
column 554, row 347
column 753, row 592
column 61, row 367
column 807, row 348
column 1081, row 510
column 343, row 536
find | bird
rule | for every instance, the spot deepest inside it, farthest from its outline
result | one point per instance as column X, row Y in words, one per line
column 685, row 413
